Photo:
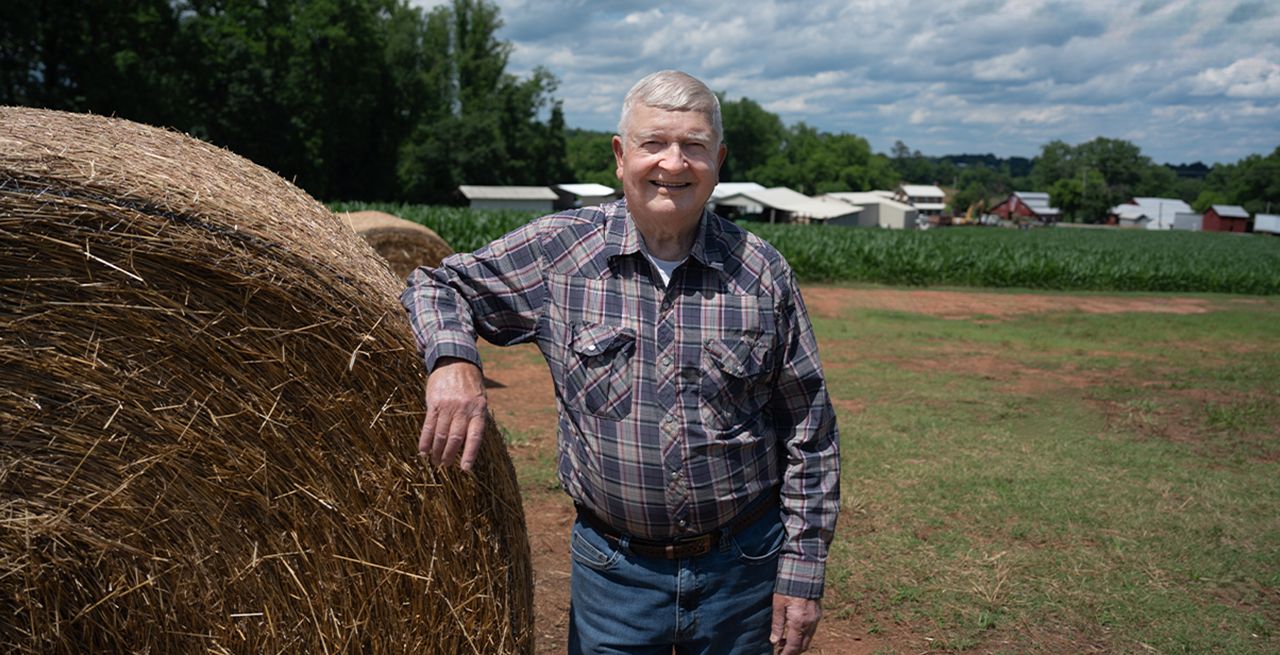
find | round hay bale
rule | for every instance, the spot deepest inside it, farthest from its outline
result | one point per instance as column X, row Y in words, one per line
column 210, row 402
column 405, row 245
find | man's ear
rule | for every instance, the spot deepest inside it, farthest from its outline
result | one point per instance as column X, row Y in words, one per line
column 617, row 155
column 724, row 150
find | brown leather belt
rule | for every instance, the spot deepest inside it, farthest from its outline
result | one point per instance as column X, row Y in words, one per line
column 682, row 547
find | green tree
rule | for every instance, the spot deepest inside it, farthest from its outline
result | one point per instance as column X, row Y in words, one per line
column 1057, row 161
column 354, row 99
column 102, row 57
column 912, row 166
column 590, row 156
column 980, row 186
column 752, row 135
column 491, row 130
column 1081, row 198
column 1207, row 199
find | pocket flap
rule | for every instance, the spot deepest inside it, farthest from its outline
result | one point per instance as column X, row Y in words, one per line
column 591, row 339
column 739, row 357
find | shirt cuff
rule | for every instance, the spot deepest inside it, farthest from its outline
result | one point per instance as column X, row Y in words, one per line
column 801, row 578
column 446, row 347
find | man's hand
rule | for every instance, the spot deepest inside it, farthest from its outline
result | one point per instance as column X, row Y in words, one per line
column 456, row 406
column 794, row 622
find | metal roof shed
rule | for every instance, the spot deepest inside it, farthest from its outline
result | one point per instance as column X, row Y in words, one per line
column 532, row 198
column 879, row 209
column 583, row 194
column 1268, row 223
column 790, row 205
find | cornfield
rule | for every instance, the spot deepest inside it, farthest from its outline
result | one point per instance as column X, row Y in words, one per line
column 1059, row 259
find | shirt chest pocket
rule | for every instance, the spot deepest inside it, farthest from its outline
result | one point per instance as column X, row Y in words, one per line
column 598, row 370
column 735, row 381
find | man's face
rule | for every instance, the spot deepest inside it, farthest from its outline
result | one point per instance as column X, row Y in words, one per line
column 668, row 165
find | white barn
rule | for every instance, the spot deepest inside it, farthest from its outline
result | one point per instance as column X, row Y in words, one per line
column 1150, row 213
column 879, row 209
column 783, row 205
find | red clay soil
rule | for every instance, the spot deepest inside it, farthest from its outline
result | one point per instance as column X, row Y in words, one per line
column 522, row 401
column 831, row 301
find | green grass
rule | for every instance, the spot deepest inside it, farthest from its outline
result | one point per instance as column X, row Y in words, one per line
column 1061, row 480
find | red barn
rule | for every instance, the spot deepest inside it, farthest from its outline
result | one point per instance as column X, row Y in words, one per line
column 1226, row 218
column 1027, row 205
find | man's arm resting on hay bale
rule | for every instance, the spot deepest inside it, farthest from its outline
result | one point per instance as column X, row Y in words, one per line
column 496, row 293
column 456, row 406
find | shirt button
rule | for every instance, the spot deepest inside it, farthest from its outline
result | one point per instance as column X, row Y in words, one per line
column 591, row 348
column 675, row 475
column 666, row 360
column 669, row 419
column 681, row 523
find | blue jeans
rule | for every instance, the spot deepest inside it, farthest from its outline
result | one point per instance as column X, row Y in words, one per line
column 720, row 603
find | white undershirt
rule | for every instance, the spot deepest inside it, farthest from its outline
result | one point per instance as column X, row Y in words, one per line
column 665, row 266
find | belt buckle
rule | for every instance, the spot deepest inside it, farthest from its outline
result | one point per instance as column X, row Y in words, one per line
column 696, row 547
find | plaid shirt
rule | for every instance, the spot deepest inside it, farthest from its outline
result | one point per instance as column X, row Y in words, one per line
column 678, row 406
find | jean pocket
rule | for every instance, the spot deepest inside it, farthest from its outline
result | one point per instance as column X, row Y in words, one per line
column 592, row 550
column 760, row 543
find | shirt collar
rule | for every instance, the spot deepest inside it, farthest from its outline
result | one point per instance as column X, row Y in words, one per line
column 622, row 237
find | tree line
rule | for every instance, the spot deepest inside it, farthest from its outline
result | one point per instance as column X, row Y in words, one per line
column 379, row 100
column 1084, row 181
column 351, row 99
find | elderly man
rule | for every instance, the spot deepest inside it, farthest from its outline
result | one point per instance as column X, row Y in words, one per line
column 696, row 437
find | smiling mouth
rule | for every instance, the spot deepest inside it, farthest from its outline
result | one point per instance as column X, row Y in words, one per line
column 670, row 185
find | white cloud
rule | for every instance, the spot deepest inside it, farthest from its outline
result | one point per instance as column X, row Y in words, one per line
column 1002, row 76
column 1015, row 66
column 1253, row 77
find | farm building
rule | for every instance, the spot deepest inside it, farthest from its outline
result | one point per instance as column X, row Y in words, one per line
column 533, row 198
column 1191, row 222
column 928, row 199
column 1226, row 218
column 783, row 205
column 728, row 189
column 1267, row 224
column 572, row 196
column 1149, row 213
column 879, row 209
column 1027, row 205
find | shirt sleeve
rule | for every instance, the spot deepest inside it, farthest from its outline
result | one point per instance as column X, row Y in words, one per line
column 497, row 293
column 805, row 424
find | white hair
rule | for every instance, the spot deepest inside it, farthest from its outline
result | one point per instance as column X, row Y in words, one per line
column 673, row 90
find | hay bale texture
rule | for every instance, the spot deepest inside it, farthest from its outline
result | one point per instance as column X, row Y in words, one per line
column 404, row 245
column 210, row 401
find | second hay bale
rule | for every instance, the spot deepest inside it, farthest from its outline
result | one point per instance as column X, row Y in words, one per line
column 404, row 245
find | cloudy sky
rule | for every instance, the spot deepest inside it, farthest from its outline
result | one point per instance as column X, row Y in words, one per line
column 1186, row 80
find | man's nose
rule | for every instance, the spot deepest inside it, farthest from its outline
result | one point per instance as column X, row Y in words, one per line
column 674, row 158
